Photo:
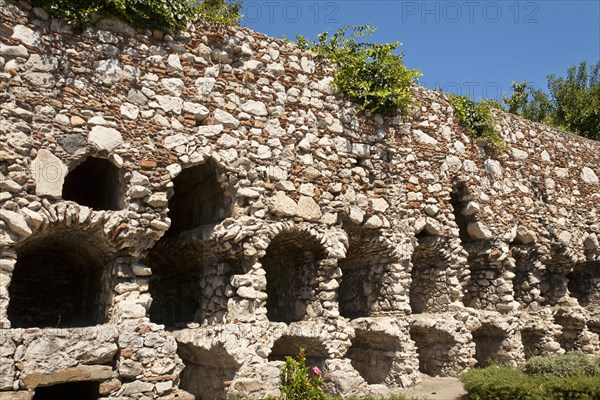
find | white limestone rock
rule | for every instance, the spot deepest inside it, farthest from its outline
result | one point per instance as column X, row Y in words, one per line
column 129, row 111
column 226, row 119
column 424, row 138
column 49, row 173
column 199, row 111
column 255, row 108
column 479, row 231
column 13, row 51
column 105, row 139
column 374, row 222
column 108, row 69
column 379, row 204
column 308, row 209
column 589, row 176
column 172, row 85
column 169, row 104
column 282, row 206
column 174, row 63
column 26, row 35
column 519, row 154
column 16, row 222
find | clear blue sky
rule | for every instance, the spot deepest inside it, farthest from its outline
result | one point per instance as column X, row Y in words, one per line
column 465, row 47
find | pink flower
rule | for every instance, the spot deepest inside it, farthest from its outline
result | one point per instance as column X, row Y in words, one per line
column 316, row 371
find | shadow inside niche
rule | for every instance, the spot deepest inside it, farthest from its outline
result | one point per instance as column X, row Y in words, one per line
column 372, row 354
column 198, row 199
column 290, row 345
column 290, row 263
column 207, row 373
column 434, row 347
column 94, row 183
column 58, row 281
column 488, row 343
column 86, row 390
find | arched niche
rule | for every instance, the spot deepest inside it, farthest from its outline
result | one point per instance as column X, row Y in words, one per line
column 368, row 261
column 60, row 280
column 94, row 183
column 198, row 200
column 291, row 264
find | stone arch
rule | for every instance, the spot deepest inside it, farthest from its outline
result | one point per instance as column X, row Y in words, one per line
column 572, row 328
column 199, row 199
column 289, row 345
column 558, row 265
column 368, row 261
column 436, row 350
column 291, row 264
column 94, row 183
column 189, row 282
column 533, row 341
column 61, row 279
column 374, row 355
column 528, row 274
column 434, row 284
column 489, row 341
column 490, row 284
column 208, row 372
column 584, row 283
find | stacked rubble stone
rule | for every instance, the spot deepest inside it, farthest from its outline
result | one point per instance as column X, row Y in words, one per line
column 180, row 212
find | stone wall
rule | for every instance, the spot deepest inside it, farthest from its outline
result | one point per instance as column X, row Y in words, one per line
column 180, row 212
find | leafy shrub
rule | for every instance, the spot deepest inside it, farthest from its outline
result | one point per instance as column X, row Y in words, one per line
column 156, row 14
column 570, row 376
column 496, row 382
column 571, row 364
column 300, row 383
column 370, row 74
column 477, row 119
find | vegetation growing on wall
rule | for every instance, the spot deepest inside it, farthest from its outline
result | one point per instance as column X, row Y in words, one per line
column 370, row 74
column 477, row 119
column 155, row 14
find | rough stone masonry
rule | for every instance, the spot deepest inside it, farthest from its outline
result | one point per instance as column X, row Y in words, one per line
column 180, row 212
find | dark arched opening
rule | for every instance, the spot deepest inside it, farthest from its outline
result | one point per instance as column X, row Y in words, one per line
column 584, row 283
column 436, row 350
column 94, row 183
column 488, row 344
column 188, row 282
column 429, row 288
column 58, row 281
column 373, row 354
column 198, row 200
column 207, row 373
column 72, row 390
column 366, row 263
column 291, row 264
column 290, row 345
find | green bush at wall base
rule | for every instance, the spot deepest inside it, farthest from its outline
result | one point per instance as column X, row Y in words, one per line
column 571, row 376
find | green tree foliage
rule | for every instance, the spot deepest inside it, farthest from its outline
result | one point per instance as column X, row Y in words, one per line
column 154, row 14
column 370, row 74
column 576, row 99
column 573, row 103
column 528, row 102
column 478, row 120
